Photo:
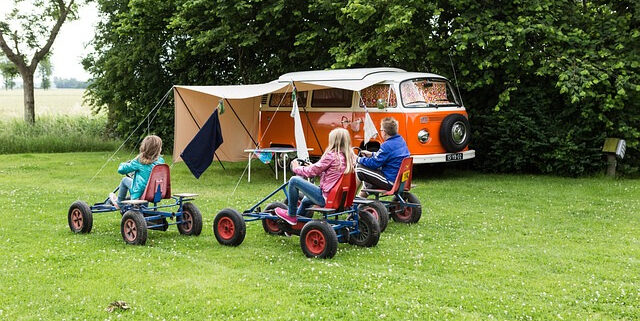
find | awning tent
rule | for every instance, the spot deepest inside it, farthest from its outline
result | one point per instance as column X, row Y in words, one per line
column 240, row 123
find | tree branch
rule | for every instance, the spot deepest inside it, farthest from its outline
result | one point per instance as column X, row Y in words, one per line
column 13, row 57
column 64, row 11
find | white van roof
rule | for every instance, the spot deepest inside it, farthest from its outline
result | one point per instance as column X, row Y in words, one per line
column 371, row 74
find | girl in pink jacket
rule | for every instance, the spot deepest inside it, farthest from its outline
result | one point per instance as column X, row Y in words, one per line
column 337, row 160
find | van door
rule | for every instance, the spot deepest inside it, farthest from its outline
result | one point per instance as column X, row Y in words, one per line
column 381, row 102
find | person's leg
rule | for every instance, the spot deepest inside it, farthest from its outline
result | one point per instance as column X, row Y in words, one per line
column 298, row 184
column 125, row 186
column 372, row 178
column 313, row 196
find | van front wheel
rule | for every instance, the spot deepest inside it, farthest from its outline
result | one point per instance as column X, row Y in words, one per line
column 455, row 133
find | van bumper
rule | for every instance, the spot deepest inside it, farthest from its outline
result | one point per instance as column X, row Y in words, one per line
column 442, row 158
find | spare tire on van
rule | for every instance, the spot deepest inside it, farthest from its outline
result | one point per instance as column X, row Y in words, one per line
column 455, row 133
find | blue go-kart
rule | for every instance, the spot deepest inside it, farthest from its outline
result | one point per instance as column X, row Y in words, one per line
column 404, row 207
column 341, row 222
column 140, row 215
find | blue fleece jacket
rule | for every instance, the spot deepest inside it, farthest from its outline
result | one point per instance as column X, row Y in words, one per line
column 388, row 158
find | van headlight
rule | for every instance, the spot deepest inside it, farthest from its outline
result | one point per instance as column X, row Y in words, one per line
column 423, row 136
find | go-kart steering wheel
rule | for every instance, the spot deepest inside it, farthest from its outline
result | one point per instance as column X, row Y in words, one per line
column 357, row 151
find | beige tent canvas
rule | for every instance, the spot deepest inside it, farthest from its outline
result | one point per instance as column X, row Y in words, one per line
column 240, row 122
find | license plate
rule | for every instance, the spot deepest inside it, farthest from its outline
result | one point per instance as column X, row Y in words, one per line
column 454, row 157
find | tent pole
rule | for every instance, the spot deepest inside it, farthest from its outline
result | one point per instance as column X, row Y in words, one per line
column 196, row 122
column 311, row 125
column 246, row 130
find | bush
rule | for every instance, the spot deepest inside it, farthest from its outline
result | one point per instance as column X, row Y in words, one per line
column 57, row 134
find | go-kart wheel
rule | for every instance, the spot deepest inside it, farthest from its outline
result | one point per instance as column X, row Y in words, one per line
column 369, row 230
column 318, row 239
column 192, row 220
column 80, row 217
column 379, row 211
column 271, row 226
column 406, row 214
column 229, row 227
column 133, row 228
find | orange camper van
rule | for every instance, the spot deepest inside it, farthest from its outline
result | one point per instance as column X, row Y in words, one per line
column 431, row 116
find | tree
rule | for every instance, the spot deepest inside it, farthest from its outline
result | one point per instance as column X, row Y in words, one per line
column 9, row 72
column 544, row 81
column 43, row 24
column 45, row 70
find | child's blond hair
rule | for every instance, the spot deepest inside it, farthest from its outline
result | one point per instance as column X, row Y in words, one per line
column 150, row 149
column 340, row 142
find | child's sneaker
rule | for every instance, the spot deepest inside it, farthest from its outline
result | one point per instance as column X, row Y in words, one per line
column 282, row 213
column 114, row 200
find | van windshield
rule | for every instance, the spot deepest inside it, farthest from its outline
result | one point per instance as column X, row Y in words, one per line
column 423, row 92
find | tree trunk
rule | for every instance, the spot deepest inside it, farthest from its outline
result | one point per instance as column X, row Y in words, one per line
column 29, row 101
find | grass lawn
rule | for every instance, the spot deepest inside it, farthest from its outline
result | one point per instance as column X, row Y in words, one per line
column 514, row 247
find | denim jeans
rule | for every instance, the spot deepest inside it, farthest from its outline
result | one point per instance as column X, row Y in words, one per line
column 125, row 186
column 312, row 195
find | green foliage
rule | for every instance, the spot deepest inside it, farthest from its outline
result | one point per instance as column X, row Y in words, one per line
column 8, row 71
column 59, row 134
column 45, row 69
column 511, row 57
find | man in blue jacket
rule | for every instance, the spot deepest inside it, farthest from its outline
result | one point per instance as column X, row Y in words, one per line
column 379, row 170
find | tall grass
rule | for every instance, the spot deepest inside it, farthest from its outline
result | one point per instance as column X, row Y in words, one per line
column 55, row 134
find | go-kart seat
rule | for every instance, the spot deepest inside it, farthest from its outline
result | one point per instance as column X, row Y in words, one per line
column 158, row 185
column 403, row 179
column 341, row 195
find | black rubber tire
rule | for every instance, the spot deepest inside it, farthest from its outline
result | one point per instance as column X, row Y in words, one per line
column 80, row 217
column 379, row 211
column 410, row 215
column 321, row 232
column 229, row 227
column 369, row 230
column 133, row 228
column 271, row 226
column 446, row 136
column 195, row 217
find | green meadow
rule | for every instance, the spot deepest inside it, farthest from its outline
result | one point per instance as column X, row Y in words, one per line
column 488, row 247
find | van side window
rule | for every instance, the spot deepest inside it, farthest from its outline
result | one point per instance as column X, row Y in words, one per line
column 372, row 94
column 277, row 99
column 332, row 97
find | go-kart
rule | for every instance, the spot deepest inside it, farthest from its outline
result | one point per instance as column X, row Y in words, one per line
column 139, row 215
column 341, row 222
column 405, row 207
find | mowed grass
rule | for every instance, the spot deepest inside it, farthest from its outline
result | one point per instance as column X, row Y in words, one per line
column 506, row 247
column 50, row 102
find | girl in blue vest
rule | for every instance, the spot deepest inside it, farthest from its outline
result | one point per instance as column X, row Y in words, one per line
column 140, row 166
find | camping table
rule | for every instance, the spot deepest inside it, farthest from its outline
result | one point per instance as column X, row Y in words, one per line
column 282, row 151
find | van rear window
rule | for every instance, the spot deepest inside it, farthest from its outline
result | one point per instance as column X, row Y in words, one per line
column 372, row 94
column 284, row 99
column 332, row 97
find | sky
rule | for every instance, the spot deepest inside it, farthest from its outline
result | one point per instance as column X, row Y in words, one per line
column 72, row 41
column 71, row 44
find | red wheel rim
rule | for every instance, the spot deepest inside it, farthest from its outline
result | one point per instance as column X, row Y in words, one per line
column 273, row 226
column 226, row 228
column 76, row 219
column 130, row 230
column 315, row 242
column 405, row 214
column 373, row 212
column 187, row 221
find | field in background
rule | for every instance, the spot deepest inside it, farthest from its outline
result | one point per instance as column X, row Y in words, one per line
column 488, row 247
column 49, row 102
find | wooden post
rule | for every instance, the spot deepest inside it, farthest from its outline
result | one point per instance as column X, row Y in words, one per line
column 611, row 165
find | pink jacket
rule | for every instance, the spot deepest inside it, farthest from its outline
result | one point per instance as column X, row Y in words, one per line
column 330, row 168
